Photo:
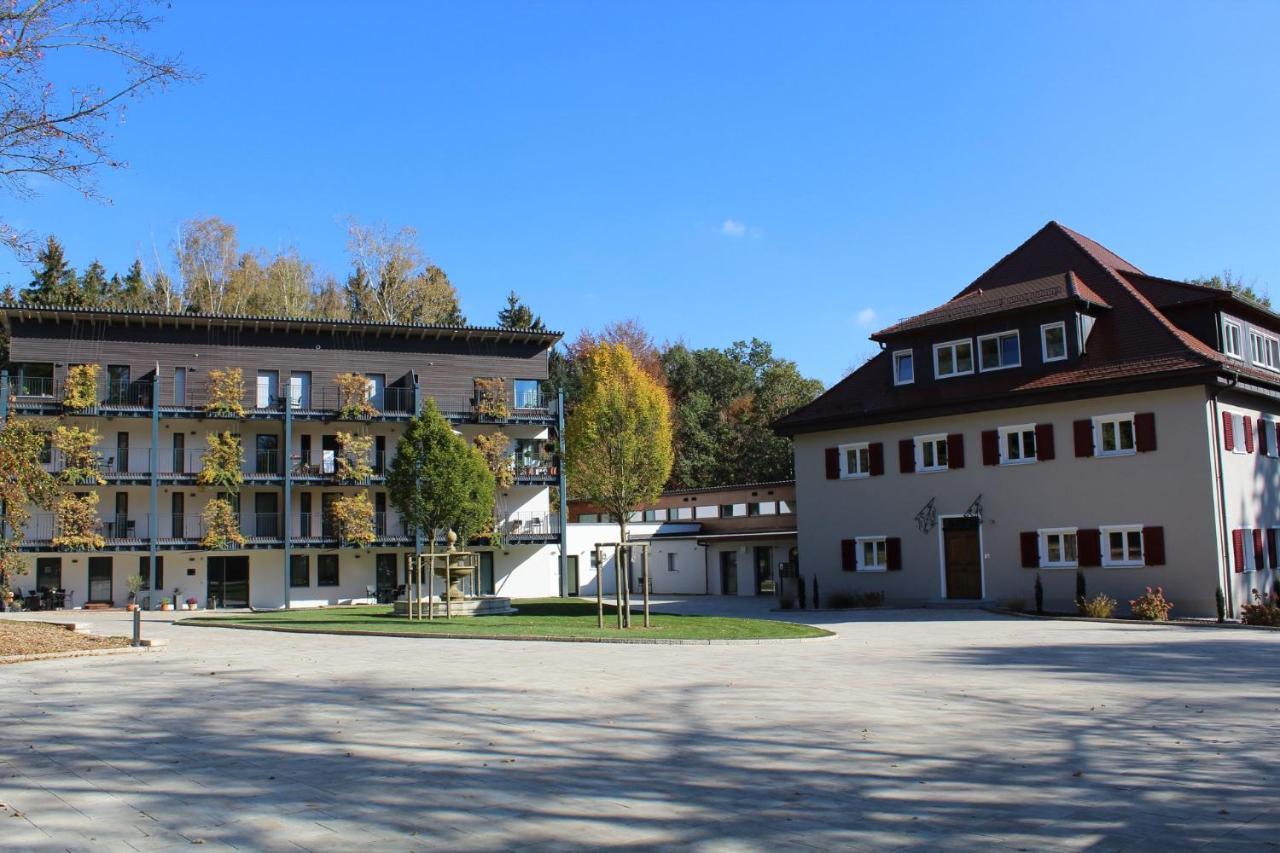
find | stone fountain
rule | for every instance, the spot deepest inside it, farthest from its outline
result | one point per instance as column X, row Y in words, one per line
column 459, row 574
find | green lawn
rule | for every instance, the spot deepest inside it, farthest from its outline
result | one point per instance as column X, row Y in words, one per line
column 538, row 617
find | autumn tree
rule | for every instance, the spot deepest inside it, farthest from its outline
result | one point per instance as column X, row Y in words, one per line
column 54, row 127
column 517, row 315
column 438, row 481
column 618, row 437
column 25, row 483
column 1235, row 284
column 391, row 281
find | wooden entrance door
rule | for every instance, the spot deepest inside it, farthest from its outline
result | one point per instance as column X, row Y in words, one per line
column 962, row 556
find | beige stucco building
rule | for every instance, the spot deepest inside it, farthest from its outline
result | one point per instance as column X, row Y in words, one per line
column 1065, row 413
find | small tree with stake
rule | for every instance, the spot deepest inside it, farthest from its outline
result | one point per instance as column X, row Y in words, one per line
column 619, row 442
column 438, row 481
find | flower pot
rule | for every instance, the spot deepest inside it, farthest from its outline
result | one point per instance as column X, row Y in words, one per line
column 131, row 607
column 166, row 606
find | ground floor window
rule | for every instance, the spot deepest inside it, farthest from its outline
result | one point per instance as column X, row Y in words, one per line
column 1123, row 546
column 1058, row 548
column 299, row 570
column 48, row 573
column 327, row 570
column 873, row 554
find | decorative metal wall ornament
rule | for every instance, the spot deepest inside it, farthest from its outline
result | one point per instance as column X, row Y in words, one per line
column 975, row 508
column 927, row 517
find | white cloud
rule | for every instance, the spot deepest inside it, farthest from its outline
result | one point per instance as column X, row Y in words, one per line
column 865, row 318
column 733, row 228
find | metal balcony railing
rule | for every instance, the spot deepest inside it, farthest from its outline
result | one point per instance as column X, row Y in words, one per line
column 529, row 526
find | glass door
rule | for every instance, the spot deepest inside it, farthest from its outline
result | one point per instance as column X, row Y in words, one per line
column 764, row 572
column 572, row 585
column 268, row 389
column 300, row 390
column 728, row 572
column 100, row 580
column 179, row 453
column 179, row 386
column 228, row 581
column 385, row 577
column 486, row 573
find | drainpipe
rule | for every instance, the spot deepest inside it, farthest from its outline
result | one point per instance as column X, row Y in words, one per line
column 153, row 518
column 564, row 500
column 1225, row 576
column 288, row 491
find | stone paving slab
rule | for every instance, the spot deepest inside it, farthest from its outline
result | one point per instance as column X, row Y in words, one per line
column 919, row 730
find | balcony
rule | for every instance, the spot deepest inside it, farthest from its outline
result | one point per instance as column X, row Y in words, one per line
column 320, row 467
column 530, row 527
column 536, row 469
column 470, row 409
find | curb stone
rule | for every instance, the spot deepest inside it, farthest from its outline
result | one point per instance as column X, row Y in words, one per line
column 1172, row 623
column 79, row 653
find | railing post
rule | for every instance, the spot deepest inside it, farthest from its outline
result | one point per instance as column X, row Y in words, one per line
column 287, row 533
column 153, row 519
column 564, row 501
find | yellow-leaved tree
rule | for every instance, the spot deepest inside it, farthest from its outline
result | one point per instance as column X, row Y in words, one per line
column 618, row 437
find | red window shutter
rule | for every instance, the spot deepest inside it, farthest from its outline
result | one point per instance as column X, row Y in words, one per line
column 833, row 463
column 875, row 451
column 1228, row 433
column 1030, row 541
column 893, row 553
column 1044, row 442
column 848, row 555
column 1089, row 547
column 907, row 455
column 1084, row 437
column 1248, row 434
column 1273, row 548
column 1237, row 546
column 1259, row 552
column 955, row 450
column 1153, row 545
column 1144, row 432
column 990, row 447
column 1262, row 438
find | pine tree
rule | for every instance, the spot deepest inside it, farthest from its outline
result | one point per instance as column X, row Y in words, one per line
column 131, row 291
column 94, row 289
column 53, row 281
column 517, row 315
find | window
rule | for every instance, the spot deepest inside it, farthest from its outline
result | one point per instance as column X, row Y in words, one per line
column 49, row 572
column 996, row 352
column 726, row 510
column 1265, row 350
column 855, row 460
column 1114, row 435
column 1053, row 341
column 1018, row 444
column 327, row 570
column 300, row 570
column 1058, row 548
column 706, row 511
column 144, row 569
column 873, row 554
column 1270, row 431
column 1231, row 338
column 655, row 515
column 954, row 358
column 589, row 518
column 767, row 508
column 931, row 453
column 682, row 513
column 671, row 562
column 786, row 507
column 528, row 394
column 904, row 367
column 1122, row 546
column 32, row 379
column 1240, row 443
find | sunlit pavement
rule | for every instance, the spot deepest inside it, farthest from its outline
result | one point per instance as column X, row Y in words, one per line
column 924, row 729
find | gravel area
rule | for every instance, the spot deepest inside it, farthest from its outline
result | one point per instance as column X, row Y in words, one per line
column 28, row 638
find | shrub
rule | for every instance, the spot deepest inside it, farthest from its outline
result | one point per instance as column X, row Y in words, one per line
column 1151, row 605
column 353, row 397
column 1262, row 611
column 221, row 526
column 81, row 389
column 81, row 461
column 221, row 465
column 491, row 399
column 842, row 600
column 77, row 523
column 1099, row 607
column 226, row 393
column 354, row 461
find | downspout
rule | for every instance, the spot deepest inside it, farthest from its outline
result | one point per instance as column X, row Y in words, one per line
column 1225, row 575
column 287, row 456
column 153, row 518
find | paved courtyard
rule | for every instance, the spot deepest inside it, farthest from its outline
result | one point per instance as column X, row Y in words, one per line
column 913, row 729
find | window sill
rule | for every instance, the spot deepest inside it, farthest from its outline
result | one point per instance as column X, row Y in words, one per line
column 1001, row 367
column 1052, row 360
column 952, row 375
column 897, row 384
column 854, row 476
column 932, row 470
column 1107, row 454
column 1059, row 565
column 867, row 570
column 1128, row 565
column 1005, row 463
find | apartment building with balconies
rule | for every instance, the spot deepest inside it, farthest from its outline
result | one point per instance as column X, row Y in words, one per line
column 151, row 409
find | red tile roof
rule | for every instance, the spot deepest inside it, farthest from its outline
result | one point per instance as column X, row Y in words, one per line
column 1132, row 342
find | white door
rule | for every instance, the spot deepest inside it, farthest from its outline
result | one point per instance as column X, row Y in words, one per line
column 268, row 388
column 300, row 390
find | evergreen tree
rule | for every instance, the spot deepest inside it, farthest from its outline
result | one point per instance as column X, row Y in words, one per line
column 94, row 287
column 517, row 315
column 53, row 281
column 131, row 291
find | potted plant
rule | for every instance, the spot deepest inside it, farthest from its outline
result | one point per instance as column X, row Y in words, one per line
column 134, row 583
column 191, row 602
column 165, row 604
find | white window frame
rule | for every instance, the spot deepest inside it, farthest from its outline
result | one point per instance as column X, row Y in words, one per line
column 1273, row 432
column 998, row 337
column 952, row 345
column 936, row 439
column 1264, row 350
column 1238, row 446
column 1004, row 444
column 845, row 473
column 862, row 566
column 671, row 561
column 911, row 354
column 1043, row 537
column 1044, row 342
column 1128, row 562
column 1235, row 351
column 1117, row 420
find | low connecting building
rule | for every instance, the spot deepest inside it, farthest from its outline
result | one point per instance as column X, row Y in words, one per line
column 724, row 540
column 1065, row 412
column 151, row 410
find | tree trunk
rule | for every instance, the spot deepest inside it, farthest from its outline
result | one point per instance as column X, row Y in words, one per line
column 599, row 587
column 626, row 572
column 644, row 581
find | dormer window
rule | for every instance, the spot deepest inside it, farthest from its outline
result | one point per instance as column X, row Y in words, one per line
column 904, row 367
column 954, row 358
column 1265, row 349
column 1231, row 335
column 1053, row 342
column 996, row 352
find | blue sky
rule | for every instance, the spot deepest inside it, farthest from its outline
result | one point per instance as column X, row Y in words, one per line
column 800, row 172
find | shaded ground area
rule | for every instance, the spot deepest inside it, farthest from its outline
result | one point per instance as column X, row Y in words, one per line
column 31, row 638
column 550, row 617
column 913, row 729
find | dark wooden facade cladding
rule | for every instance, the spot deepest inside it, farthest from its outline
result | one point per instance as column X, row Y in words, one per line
column 446, row 363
